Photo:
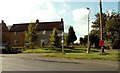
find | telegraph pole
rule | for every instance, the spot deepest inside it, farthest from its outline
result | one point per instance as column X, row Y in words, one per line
column 101, row 26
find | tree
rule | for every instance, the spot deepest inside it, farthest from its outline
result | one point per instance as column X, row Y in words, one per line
column 55, row 39
column 85, row 40
column 94, row 39
column 81, row 40
column 65, row 38
column 32, row 33
column 111, row 30
column 71, row 36
column 96, row 23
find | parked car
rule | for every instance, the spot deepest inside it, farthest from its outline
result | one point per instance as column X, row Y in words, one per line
column 4, row 49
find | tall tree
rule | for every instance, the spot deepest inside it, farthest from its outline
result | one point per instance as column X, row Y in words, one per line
column 113, row 29
column 71, row 36
column 94, row 39
column 32, row 33
column 96, row 23
column 55, row 39
column 111, row 24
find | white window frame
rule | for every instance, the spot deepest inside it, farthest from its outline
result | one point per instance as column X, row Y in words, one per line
column 16, row 33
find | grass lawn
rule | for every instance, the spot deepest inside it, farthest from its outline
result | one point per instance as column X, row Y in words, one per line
column 77, row 53
column 40, row 50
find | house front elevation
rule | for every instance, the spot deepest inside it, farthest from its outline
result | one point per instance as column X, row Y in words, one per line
column 44, row 29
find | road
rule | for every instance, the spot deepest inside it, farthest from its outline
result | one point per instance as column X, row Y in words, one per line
column 34, row 62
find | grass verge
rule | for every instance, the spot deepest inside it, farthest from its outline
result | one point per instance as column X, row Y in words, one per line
column 77, row 53
column 40, row 50
column 90, row 56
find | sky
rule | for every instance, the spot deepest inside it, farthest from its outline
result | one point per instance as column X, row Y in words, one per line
column 73, row 12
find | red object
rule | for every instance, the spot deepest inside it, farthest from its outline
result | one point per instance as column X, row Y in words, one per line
column 101, row 43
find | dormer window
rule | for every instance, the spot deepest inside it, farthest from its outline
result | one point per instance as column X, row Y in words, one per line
column 16, row 33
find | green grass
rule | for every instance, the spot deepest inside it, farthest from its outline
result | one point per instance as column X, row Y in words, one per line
column 77, row 53
column 90, row 56
column 40, row 50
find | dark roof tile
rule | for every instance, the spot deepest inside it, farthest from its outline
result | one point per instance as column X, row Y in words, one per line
column 41, row 26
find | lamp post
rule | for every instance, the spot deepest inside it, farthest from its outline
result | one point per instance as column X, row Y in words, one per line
column 88, row 49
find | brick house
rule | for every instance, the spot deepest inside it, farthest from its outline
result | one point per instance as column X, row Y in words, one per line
column 4, row 34
column 44, row 29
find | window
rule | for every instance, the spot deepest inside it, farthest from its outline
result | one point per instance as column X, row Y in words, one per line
column 60, row 34
column 27, row 42
column 45, row 41
column 16, row 42
column 26, row 31
column 16, row 33
column 44, row 32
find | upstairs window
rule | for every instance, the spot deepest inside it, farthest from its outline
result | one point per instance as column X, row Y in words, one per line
column 16, row 42
column 16, row 33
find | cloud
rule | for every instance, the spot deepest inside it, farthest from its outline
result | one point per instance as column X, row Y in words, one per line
column 82, row 30
column 46, row 12
column 20, row 11
column 80, row 15
column 66, row 5
column 62, row 12
column 80, row 18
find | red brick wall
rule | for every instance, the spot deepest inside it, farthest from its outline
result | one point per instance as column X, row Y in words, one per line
column 5, row 34
column 19, row 38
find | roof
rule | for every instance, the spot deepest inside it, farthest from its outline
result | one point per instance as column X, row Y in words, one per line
column 3, row 27
column 19, row 27
column 41, row 26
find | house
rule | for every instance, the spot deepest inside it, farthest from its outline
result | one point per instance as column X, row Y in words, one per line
column 4, row 34
column 44, row 29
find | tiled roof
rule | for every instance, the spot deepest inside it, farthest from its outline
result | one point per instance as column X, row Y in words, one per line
column 41, row 26
column 19, row 27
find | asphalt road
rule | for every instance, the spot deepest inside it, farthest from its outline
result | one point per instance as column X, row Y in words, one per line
column 34, row 62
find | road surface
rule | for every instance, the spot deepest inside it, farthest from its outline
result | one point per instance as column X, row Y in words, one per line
column 34, row 62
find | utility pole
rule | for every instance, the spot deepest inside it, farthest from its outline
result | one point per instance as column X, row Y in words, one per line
column 101, row 26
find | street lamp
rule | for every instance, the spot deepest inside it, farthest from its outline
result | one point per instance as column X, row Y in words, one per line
column 88, row 49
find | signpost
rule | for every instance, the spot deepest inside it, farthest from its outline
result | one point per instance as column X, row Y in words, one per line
column 62, row 42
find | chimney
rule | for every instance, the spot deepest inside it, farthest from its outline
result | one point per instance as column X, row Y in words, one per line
column 61, row 19
column 62, row 23
column 2, row 21
column 37, row 21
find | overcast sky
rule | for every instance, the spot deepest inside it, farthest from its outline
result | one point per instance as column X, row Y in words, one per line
column 73, row 12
